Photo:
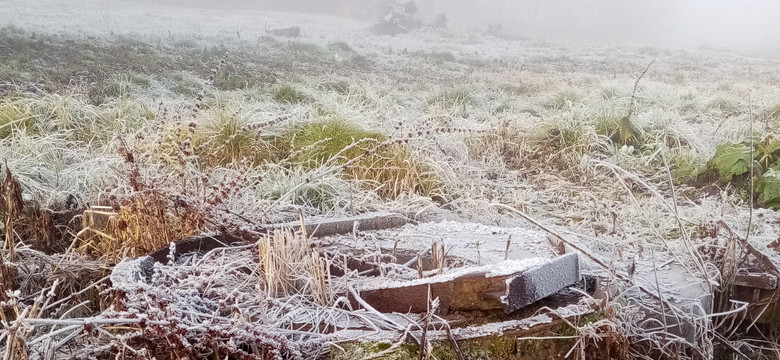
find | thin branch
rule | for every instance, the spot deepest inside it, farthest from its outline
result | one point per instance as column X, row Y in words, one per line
column 752, row 165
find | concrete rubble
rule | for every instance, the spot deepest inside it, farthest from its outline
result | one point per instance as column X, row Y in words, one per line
column 484, row 284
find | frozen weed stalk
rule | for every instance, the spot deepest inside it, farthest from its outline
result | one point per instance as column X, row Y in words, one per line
column 289, row 265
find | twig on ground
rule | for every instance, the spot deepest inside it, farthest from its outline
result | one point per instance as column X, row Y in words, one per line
column 371, row 309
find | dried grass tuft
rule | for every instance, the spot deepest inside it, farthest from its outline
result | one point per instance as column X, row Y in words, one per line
column 290, row 265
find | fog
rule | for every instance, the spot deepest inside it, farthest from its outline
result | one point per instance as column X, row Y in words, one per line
column 745, row 25
column 738, row 24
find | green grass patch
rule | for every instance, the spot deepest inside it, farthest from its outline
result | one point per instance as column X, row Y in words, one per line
column 241, row 76
column 341, row 87
column 689, row 102
column 226, row 138
column 518, row 88
column 619, row 129
column 305, row 48
column 14, row 116
column 361, row 61
column 59, row 60
column 89, row 124
column 101, row 93
column 341, row 47
column 453, row 98
column 726, row 105
column 288, row 94
column 684, row 165
column 320, row 141
column 567, row 136
column 772, row 114
column 185, row 83
column 438, row 57
column 610, row 92
column 563, row 99
column 507, row 142
column 326, row 193
column 389, row 170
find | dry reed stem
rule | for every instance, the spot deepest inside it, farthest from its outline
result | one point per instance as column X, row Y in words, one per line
column 289, row 265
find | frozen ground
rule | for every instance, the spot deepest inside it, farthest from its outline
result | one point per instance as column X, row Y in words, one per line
column 101, row 18
column 698, row 96
column 688, row 94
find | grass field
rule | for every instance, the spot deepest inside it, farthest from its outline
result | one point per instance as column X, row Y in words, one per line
column 123, row 141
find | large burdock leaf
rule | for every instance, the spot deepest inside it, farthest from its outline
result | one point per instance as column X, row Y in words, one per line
column 769, row 189
column 731, row 160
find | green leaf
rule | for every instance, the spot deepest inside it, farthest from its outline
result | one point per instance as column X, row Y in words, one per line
column 768, row 146
column 768, row 150
column 775, row 165
column 731, row 160
column 769, row 189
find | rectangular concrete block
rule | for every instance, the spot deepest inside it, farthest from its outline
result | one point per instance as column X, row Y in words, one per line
column 506, row 286
column 540, row 282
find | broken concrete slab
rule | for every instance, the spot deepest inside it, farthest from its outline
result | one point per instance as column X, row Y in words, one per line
column 314, row 228
column 756, row 284
column 542, row 281
column 535, row 337
column 756, row 280
column 477, row 243
column 679, row 287
column 377, row 252
column 345, row 225
column 506, row 286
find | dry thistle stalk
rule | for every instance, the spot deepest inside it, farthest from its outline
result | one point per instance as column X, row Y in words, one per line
column 12, row 203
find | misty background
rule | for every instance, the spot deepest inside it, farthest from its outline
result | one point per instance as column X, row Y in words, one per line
column 745, row 25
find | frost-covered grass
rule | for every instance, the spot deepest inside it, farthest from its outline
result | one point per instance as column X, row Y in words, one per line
column 154, row 136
